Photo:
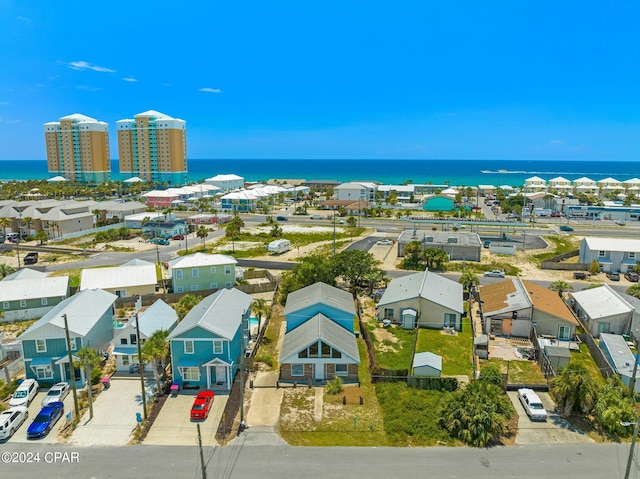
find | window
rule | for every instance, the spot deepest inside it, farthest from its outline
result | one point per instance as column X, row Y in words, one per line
column 632, row 255
column 133, row 339
column 44, row 301
column 179, row 274
column 449, row 320
column 297, row 370
column 313, row 350
column 5, row 305
column 342, row 369
column 73, row 344
column 188, row 347
column 44, row 372
column 194, row 287
column 335, row 353
column 388, row 314
column 124, row 341
column 213, row 269
column 195, row 272
column 41, row 346
column 217, row 347
column 604, row 327
column 179, row 289
column 23, row 303
column 125, row 360
column 227, row 270
column 214, row 285
column 326, row 350
column 303, row 354
column 602, row 254
column 227, row 284
column 564, row 332
column 191, row 374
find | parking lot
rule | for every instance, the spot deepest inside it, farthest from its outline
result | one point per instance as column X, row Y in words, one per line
column 174, row 426
column 555, row 430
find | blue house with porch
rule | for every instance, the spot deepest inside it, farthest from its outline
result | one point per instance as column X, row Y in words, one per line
column 207, row 345
column 90, row 316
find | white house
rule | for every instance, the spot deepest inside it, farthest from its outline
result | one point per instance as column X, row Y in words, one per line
column 356, row 191
column 136, row 277
column 602, row 310
column 226, row 182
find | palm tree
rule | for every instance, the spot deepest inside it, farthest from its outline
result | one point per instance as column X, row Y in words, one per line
column 202, row 234
column 560, row 286
column 4, row 222
column 186, row 303
column 156, row 350
column 5, row 270
column 468, row 279
column 631, row 290
column 28, row 220
column 574, row 389
column 86, row 356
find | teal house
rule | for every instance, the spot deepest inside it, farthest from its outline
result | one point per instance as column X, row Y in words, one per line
column 438, row 203
column 320, row 298
column 90, row 316
column 201, row 271
column 30, row 294
column 207, row 345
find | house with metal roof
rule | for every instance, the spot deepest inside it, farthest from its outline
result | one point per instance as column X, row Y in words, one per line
column 458, row 245
column 602, row 310
column 427, row 364
column 133, row 278
column 29, row 294
column 202, row 271
column 90, row 315
column 158, row 316
column 330, row 301
column 620, row 357
column 433, row 300
column 207, row 345
column 612, row 254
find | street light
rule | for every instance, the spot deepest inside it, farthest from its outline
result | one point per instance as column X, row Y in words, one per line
column 633, row 444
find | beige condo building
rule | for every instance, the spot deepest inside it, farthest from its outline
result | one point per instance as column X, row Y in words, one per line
column 153, row 147
column 78, row 149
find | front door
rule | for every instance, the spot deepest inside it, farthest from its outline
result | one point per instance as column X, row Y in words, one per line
column 221, row 375
column 319, row 372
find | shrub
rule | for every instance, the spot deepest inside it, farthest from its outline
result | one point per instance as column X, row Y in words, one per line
column 491, row 375
column 334, row 386
column 265, row 358
column 96, row 375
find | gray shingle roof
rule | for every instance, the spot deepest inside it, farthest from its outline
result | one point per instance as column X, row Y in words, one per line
column 428, row 285
column 319, row 293
column 220, row 313
column 320, row 327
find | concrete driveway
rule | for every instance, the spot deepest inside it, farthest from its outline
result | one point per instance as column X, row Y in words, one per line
column 20, row 436
column 114, row 414
column 555, row 430
column 174, row 427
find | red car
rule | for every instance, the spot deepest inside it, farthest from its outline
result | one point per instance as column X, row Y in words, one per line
column 178, row 237
column 202, row 405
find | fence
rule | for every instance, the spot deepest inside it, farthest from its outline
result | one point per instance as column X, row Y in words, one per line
column 11, row 370
column 541, row 358
column 558, row 263
column 598, row 355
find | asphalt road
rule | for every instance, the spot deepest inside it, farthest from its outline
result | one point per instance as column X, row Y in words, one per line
column 278, row 462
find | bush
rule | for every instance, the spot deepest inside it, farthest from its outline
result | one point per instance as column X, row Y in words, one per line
column 334, row 386
column 265, row 358
column 96, row 376
column 491, row 375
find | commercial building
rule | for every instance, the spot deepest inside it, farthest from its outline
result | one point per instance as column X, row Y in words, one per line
column 78, row 149
column 153, row 147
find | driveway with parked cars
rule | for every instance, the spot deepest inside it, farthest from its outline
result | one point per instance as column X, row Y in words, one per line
column 20, row 435
column 555, row 430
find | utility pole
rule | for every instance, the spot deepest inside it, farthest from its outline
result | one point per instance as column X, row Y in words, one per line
column 72, row 372
column 19, row 238
column 633, row 446
column 243, row 347
column 632, row 383
column 140, row 363
column 202, row 464
column 89, row 386
column 334, row 231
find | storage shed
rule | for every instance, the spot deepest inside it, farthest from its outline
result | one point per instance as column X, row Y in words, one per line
column 427, row 365
column 558, row 356
column 481, row 346
column 409, row 318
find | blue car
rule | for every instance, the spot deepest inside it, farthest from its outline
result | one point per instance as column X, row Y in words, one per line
column 45, row 420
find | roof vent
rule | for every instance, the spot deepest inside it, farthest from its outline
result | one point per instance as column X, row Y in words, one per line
column 452, row 239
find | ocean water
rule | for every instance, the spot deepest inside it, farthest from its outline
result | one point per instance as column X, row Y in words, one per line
column 451, row 172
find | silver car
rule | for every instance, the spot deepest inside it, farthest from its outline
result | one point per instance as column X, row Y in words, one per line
column 11, row 420
column 496, row 273
column 58, row 392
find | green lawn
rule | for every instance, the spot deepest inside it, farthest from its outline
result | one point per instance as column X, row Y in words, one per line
column 525, row 372
column 455, row 350
column 393, row 345
column 585, row 359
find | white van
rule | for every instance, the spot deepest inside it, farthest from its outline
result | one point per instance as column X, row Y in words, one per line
column 25, row 393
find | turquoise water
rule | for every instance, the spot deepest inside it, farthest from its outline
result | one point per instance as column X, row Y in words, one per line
column 253, row 322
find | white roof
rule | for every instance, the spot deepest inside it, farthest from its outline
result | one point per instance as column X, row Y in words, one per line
column 225, row 178
column 608, row 180
column 613, row 244
column 534, row 178
column 356, row 185
column 158, row 316
column 632, row 181
column 148, row 214
column 133, row 179
column 558, row 179
column 601, row 302
column 201, row 259
column 118, row 276
column 83, row 310
column 56, row 179
column 25, row 273
column 431, row 360
column 78, row 117
column 427, row 285
column 155, row 114
column 34, row 288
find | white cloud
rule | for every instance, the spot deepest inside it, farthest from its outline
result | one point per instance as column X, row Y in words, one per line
column 88, row 88
column 129, row 79
column 9, row 122
column 82, row 65
column 24, row 19
column 210, row 90
column 556, row 142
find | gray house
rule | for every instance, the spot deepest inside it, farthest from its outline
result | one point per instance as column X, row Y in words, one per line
column 423, row 300
column 620, row 358
column 612, row 254
column 602, row 310
column 459, row 246
column 29, row 294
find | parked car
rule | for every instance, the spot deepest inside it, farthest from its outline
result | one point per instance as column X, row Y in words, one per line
column 45, row 420
column 316, row 217
column 487, row 244
column 178, row 237
column 579, row 275
column 532, row 404
column 620, row 222
column 631, row 276
column 281, row 218
column 566, row 228
column 202, row 405
column 31, row 258
column 496, row 273
column 613, row 276
column 557, row 215
column 25, row 393
column 385, row 242
column 11, row 420
column 57, row 392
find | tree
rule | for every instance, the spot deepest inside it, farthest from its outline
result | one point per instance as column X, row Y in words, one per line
column 87, row 355
column 613, row 406
column 156, row 350
column 413, row 257
column 4, row 222
column 186, row 303
column 261, row 309
column 468, row 279
column 594, row 267
column 574, row 390
column 27, row 220
column 309, row 270
column 491, row 374
column 276, row 231
column 42, row 236
column 202, row 234
column 5, row 270
column 124, row 232
column 354, row 265
column 435, row 258
column 560, row 286
column 634, row 290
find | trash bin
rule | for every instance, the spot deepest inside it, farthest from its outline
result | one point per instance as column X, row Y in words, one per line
column 106, row 382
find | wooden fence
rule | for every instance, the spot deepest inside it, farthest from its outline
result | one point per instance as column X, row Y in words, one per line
column 598, row 355
column 558, row 263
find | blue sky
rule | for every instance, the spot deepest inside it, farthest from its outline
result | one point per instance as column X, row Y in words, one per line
column 332, row 79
